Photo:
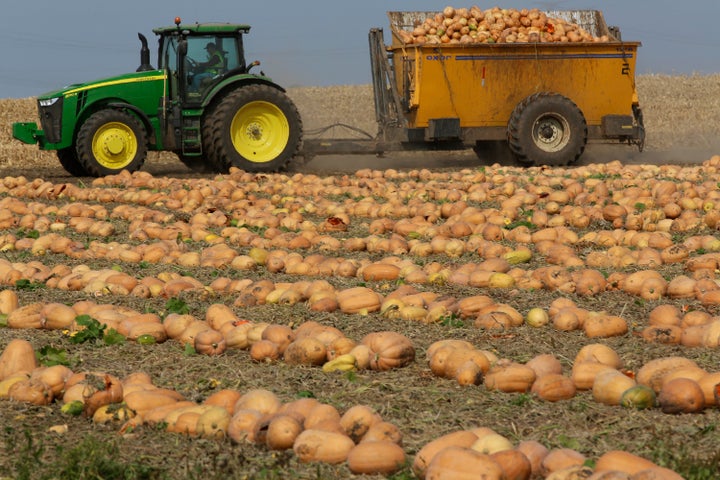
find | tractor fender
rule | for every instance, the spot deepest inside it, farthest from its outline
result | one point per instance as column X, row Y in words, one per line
column 218, row 91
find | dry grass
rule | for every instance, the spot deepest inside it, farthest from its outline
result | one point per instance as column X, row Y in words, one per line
column 680, row 112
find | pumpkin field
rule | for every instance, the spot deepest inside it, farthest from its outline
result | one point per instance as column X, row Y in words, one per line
column 412, row 316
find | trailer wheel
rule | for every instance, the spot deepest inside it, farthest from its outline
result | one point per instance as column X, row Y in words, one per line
column 70, row 162
column 111, row 141
column 256, row 128
column 547, row 129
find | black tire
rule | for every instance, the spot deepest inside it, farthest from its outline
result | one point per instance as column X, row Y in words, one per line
column 197, row 164
column 69, row 161
column 110, row 141
column 256, row 128
column 547, row 129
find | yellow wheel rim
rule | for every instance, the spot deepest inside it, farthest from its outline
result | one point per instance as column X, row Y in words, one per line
column 114, row 145
column 259, row 132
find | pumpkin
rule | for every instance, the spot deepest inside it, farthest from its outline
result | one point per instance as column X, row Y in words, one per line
column 282, row 430
column 175, row 324
column 609, row 386
column 491, row 442
column 423, row 458
column 553, row 387
column 638, row 396
column 377, row 457
column 544, row 363
column 652, row 373
column 535, row 452
column 54, row 377
column 299, row 408
column 602, row 325
column 32, row 391
column 507, row 376
column 622, row 461
column 264, row 351
column 389, row 350
column 514, row 464
column 213, row 422
column 322, row 446
column 57, row 316
column 600, row 353
column 226, row 398
column 264, row 401
column 243, row 423
column 28, row 316
column 457, row 463
column 583, row 373
column 561, row 458
column 357, row 420
column 8, row 301
column 18, row 356
column 681, row 395
column 281, row 335
column 323, row 414
column 381, row 431
column 113, row 413
column 361, row 300
column 210, row 342
column 149, row 400
column 306, row 351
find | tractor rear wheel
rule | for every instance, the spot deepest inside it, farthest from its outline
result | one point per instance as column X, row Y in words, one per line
column 110, row 141
column 69, row 161
column 547, row 129
column 256, row 128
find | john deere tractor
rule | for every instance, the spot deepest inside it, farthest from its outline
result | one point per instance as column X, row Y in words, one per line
column 213, row 118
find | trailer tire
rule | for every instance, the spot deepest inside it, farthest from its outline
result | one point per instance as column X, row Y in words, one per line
column 547, row 129
column 111, row 141
column 69, row 160
column 256, row 128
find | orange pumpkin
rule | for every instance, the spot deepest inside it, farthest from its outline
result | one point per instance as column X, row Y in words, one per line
column 18, row 356
column 210, row 342
column 389, row 350
column 373, row 458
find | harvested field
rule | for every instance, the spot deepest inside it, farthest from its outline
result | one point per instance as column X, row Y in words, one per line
column 427, row 225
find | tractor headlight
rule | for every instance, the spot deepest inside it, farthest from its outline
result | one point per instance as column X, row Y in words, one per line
column 48, row 102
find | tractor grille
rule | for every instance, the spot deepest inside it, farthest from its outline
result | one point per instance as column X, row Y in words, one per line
column 51, row 121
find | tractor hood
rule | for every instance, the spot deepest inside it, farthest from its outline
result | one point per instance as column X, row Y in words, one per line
column 119, row 82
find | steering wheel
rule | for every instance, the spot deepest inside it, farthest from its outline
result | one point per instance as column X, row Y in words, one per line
column 193, row 63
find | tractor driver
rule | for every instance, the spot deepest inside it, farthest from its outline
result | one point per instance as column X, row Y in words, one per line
column 210, row 68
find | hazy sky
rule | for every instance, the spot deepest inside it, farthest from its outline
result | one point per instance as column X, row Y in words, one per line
column 46, row 44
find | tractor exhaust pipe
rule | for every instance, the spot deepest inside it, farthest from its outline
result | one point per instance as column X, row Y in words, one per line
column 144, row 55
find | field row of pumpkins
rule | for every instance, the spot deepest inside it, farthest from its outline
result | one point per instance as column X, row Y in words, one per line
column 386, row 243
column 318, row 432
column 494, row 25
column 682, row 385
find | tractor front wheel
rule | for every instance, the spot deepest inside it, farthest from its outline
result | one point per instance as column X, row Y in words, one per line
column 256, row 128
column 110, row 141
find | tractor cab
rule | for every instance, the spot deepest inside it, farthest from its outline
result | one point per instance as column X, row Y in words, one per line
column 198, row 56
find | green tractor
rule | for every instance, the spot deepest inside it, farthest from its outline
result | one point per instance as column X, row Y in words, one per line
column 213, row 118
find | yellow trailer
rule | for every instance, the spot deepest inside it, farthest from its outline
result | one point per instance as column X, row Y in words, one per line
column 544, row 100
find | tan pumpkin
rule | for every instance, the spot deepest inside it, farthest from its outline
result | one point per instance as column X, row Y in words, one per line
column 622, row 461
column 213, row 422
column 456, row 463
column 609, row 386
column 381, row 457
column 553, row 387
column 380, row 272
column 27, row 316
column 260, row 399
column 322, row 446
column 603, row 326
column 31, row 391
column 389, row 350
column 652, row 373
column 545, row 363
column 600, row 353
column 243, row 423
column 382, row 431
column 210, row 342
column 514, row 464
column 226, row 398
column 282, row 430
column 584, row 373
column 54, row 377
column 361, row 300
column 323, row 414
column 306, row 351
column 535, row 452
column 8, row 301
column 57, row 316
column 357, row 420
column 281, row 335
column 507, row 376
column 681, row 395
column 17, row 356
column 462, row 438
column 560, row 458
